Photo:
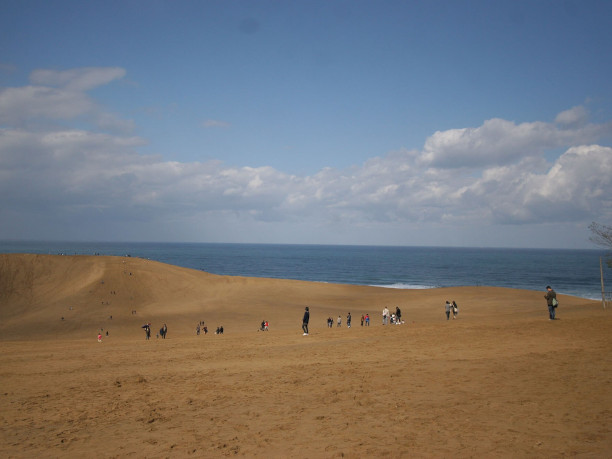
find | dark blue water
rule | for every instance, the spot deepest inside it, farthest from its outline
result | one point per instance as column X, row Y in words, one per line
column 573, row 272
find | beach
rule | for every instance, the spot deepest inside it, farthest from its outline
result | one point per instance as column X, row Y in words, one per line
column 499, row 381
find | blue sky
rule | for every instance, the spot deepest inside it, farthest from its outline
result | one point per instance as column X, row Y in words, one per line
column 461, row 123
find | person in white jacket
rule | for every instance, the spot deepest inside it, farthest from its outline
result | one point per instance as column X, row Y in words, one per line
column 385, row 315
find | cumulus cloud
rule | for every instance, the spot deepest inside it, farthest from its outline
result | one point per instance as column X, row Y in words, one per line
column 500, row 141
column 496, row 173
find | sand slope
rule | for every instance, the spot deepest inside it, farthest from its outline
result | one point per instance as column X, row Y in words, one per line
column 500, row 381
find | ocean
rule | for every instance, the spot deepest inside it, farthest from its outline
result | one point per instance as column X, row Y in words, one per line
column 571, row 272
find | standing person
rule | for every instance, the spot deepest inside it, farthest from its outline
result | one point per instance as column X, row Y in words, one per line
column 147, row 329
column 305, row 321
column 447, row 309
column 367, row 320
column 551, row 301
column 398, row 314
column 99, row 337
column 385, row 315
column 339, row 322
column 362, row 319
column 455, row 309
column 348, row 320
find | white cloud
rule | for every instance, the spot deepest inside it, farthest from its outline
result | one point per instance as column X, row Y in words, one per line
column 500, row 141
column 20, row 104
column 57, row 95
column 78, row 80
column 494, row 174
column 576, row 116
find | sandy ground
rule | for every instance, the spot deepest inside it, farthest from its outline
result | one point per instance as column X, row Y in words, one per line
column 500, row 381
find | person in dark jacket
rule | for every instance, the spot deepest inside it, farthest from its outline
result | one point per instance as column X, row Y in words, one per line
column 305, row 321
column 551, row 301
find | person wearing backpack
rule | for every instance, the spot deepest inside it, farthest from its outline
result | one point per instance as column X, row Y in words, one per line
column 551, row 301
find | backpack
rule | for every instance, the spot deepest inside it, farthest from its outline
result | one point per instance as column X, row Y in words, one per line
column 554, row 303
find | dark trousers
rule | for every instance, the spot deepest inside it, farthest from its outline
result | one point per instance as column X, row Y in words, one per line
column 305, row 327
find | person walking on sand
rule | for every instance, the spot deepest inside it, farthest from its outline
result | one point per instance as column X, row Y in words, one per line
column 99, row 337
column 367, row 320
column 398, row 315
column 348, row 320
column 339, row 322
column 305, row 321
column 385, row 315
column 455, row 309
column 447, row 309
column 551, row 301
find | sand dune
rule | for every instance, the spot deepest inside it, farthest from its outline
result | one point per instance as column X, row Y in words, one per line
column 500, row 381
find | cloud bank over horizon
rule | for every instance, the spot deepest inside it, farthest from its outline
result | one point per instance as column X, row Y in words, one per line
column 72, row 168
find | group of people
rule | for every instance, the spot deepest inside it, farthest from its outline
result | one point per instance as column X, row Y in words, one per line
column 392, row 318
column 387, row 317
column 201, row 327
column 163, row 331
column 451, row 306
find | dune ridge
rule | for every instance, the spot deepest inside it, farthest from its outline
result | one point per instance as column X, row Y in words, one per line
column 500, row 381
